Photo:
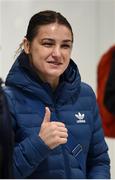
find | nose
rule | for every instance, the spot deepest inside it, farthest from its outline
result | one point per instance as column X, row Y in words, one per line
column 56, row 52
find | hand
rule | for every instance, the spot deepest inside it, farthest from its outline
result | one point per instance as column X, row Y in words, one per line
column 52, row 133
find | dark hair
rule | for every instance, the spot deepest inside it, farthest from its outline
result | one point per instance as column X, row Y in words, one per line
column 45, row 18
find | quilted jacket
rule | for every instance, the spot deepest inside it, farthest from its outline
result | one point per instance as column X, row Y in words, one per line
column 85, row 155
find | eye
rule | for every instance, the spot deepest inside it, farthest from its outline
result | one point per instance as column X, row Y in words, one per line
column 47, row 44
column 66, row 46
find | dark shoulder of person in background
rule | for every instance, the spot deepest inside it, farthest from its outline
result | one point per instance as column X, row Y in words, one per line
column 6, row 138
column 109, row 96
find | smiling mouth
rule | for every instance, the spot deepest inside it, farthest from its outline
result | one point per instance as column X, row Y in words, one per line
column 54, row 63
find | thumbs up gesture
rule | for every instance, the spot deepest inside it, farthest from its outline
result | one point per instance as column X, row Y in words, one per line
column 52, row 133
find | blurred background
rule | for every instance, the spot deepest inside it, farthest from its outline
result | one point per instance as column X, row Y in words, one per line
column 93, row 23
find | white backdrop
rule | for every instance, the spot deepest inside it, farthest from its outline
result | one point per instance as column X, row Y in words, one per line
column 93, row 23
column 0, row 39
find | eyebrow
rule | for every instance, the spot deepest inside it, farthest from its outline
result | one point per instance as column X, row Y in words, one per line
column 67, row 40
column 49, row 39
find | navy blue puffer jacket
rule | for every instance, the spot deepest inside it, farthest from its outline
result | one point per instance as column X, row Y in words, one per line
column 73, row 103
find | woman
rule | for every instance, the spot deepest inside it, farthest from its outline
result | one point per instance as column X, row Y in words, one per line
column 57, row 128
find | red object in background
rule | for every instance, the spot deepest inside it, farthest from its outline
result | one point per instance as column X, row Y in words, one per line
column 108, row 119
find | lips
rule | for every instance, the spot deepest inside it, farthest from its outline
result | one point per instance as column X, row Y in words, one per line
column 55, row 62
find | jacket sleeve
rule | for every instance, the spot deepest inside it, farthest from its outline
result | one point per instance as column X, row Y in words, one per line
column 98, row 162
column 28, row 154
column 109, row 96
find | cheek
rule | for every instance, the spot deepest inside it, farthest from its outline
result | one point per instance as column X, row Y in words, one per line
column 37, row 56
column 41, row 53
column 67, row 55
column 35, row 52
column 67, row 59
column 66, row 64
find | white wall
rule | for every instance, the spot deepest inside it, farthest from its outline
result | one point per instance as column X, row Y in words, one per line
column 93, row 23
column 0, row 40
column 106, row 24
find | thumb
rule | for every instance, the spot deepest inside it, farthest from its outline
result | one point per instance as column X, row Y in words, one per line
column 47, row 115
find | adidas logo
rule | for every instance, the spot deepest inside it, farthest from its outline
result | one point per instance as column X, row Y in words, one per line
column 80, row 118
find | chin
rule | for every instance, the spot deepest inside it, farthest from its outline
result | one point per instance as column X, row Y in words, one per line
column 55, row 71
column 55, row 74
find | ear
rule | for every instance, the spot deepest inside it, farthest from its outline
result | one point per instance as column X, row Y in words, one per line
column 26, row 44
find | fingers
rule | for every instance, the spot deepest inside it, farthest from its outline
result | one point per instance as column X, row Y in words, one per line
column 59, row 130
column 62, row 141
column 62, row 134
column 59, row 124
column 47, row 115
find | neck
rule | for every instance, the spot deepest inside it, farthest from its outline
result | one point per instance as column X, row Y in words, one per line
column 52, row 81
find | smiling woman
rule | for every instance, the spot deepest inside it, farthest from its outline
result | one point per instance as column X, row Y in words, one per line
column 55, row 119
column 50, row 51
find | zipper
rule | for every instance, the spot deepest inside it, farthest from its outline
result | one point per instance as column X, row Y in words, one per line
column 64, row 153
column 66, row 163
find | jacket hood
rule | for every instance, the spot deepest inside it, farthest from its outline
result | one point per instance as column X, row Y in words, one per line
column 23, row 77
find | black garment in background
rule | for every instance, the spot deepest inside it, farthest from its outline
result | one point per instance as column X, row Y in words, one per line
column 6, row 139
column 109, row 97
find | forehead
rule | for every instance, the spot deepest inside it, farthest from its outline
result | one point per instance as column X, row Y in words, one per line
column 54, row 30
